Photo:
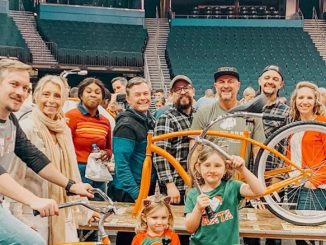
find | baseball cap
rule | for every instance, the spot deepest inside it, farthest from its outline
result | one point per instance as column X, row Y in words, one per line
column 226, row 70
column 178, row 78
column 273, row 68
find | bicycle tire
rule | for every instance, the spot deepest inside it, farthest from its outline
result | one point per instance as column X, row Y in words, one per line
column 285, row 202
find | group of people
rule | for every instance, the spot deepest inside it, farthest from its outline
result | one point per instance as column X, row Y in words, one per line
column 63, row 137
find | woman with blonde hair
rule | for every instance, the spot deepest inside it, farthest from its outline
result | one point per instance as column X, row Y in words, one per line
column 46, row 127
column 306, row 106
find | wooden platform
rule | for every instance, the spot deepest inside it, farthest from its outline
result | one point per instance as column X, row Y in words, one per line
column 253, row 223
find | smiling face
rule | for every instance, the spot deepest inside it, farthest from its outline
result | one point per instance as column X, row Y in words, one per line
column 49, row 100
column 227, row 88
column 182, row 94
column 305, row 102
column 270, row 83
column 157, row 221
column 212, row 170
column 139, row 97
column 92, row 96
column 14, row 89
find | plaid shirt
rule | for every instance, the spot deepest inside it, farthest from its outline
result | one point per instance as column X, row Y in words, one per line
column 172, row 121
column 277, row 108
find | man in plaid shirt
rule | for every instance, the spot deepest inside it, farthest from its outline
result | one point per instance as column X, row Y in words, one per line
column 271, row 82
column 177, row 118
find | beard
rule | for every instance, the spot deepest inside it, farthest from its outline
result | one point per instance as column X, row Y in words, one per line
column 183, row 106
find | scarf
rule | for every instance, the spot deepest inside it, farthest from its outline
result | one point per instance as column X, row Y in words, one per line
column 65, row 162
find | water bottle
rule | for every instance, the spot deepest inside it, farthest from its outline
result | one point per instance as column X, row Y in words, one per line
column 95, row 151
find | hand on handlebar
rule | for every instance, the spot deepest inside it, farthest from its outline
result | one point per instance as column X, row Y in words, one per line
column 46, row 207
column 82, row 189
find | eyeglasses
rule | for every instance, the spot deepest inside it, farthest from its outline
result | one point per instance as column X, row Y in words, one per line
column 186, row 89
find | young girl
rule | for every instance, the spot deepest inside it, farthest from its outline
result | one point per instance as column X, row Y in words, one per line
column 222, row 194
column 155, row 223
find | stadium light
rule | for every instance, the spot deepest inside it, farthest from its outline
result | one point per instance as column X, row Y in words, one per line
column 79, row 72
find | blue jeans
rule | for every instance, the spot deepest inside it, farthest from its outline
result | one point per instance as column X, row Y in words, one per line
column 100, row 185
column 14, row 232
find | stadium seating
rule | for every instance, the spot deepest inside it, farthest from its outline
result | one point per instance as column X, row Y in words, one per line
column 12, row 43
column 198, row 51
column 102, row 43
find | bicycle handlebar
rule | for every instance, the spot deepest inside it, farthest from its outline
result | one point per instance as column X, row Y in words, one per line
column 102, row 210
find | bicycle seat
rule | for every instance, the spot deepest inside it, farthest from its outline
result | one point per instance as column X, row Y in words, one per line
column 256, row 105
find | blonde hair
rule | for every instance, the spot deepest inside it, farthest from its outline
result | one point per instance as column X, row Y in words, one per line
column 318, row 107
column 203, row 155
column 56, row 80
column 152, row 207
column 9, row 65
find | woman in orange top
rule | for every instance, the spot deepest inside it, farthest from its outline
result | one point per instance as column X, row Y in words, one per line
column 305, row 106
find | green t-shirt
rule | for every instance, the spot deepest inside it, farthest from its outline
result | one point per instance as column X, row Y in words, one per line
column 223, row 229
column 234, row 125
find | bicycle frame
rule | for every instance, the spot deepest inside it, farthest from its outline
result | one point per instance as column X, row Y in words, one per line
column 245, row 139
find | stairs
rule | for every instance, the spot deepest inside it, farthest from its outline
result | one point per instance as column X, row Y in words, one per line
column 317, row 31
column 158, row 32
column 26, row 24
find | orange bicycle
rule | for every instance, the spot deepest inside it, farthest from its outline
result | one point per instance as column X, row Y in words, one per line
column 283, row 176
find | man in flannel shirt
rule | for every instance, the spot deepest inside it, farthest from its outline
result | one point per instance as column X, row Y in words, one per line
column 177, row 118
column 271, row 82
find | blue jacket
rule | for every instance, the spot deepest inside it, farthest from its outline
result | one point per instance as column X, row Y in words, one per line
column 129, row 148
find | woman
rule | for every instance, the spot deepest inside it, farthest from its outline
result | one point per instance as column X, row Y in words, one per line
column 46, row 127
column 89, row 127
column 306, row 106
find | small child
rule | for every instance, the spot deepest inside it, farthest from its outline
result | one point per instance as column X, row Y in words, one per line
column 155, row 223
column 222, row 194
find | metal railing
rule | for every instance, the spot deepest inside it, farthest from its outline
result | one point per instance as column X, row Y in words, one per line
column 146, row 71
column 15, row 52
column 212, row 16
column 317, row 27
column 99, row 58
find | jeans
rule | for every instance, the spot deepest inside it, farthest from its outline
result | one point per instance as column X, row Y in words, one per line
column 14, row 232
column 100, row 185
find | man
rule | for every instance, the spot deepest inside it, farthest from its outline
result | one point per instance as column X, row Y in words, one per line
column 119, row 87
column 227, row 84
column 129, row 146
column 248, row 94
column 207, row 99
column 177, row 118
column 158, row 93
column 271, row 81
column 14, row 89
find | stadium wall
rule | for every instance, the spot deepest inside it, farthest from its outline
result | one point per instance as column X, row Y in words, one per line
column 237, row 22
column 4, row 6
column 92, row 14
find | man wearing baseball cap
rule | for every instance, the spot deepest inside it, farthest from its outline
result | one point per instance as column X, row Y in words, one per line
column 177, row 118
column 271, row 81
column 227, row 85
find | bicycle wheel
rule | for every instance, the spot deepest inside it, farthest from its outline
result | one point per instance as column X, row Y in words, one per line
column 293, row 201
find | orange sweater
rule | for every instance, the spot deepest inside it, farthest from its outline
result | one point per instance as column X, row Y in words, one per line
column 170, row 237
column 87, row 130
column 314, row 153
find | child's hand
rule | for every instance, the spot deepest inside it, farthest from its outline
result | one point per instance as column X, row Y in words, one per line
column 236, row 162
column 203, row 201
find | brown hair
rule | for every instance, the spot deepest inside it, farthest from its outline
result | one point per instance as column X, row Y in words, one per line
column 203, row 155
column 318, row 107
column 133, row 82
column 152, row 207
